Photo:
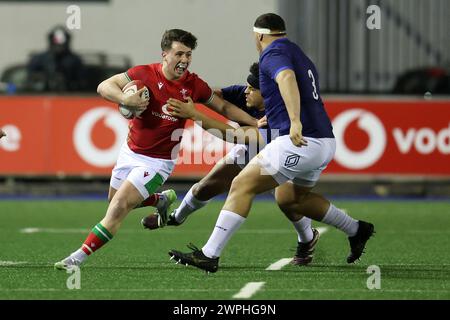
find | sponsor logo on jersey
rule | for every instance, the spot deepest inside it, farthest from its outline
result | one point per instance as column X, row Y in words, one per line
column 165, row 115
column 160, row 85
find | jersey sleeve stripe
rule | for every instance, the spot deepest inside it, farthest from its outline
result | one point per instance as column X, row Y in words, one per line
column 279, row 70
column 128, row 77
column 210, row 98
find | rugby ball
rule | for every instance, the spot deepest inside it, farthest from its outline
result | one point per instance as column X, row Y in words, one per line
column 131, row 88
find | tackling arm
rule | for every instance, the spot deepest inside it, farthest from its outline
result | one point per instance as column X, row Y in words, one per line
column 246, row 134
column 230, row 111
column 218, row 92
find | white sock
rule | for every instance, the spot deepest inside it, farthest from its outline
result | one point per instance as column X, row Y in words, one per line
column 80, row 255
column 338, row 218
column 227, row 223
column 304, row 230
column 188, row 206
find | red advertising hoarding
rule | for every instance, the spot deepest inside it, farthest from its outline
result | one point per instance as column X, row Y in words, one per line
column 79, row 136
column 391, row 137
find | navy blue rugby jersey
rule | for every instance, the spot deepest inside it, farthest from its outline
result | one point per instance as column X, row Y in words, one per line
column 280, row 55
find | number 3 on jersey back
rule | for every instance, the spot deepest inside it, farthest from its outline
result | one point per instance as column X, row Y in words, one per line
column 315, row 94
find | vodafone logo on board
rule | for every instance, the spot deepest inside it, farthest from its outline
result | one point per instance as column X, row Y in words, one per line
column 372, row 126
column 11, row 142
column 83, row 136
column 394, row 139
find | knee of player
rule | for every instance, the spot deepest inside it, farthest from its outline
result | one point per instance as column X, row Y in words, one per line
column 118, row 206
column 285, row 202
column 241, row 185
column 286, row 198
column 284, row 205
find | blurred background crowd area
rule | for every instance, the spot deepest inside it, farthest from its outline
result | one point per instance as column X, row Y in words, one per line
column 409, row 54
column 59, row 51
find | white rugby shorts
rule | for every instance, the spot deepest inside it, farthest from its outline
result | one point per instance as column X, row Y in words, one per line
column 147, row 174
column 302, row 165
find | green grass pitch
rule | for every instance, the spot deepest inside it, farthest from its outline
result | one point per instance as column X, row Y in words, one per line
column 411, row 248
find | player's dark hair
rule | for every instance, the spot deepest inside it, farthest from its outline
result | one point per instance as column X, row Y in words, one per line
column 253, row 77
column 254, row 69
column 186, row 38
column 271, row 21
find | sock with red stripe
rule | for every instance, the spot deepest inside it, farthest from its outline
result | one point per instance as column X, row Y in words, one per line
column 96, row 239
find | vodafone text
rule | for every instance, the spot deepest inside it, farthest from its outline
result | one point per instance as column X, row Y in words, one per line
column 424, row 140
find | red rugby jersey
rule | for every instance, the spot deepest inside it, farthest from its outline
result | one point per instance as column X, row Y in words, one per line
column 151, row 133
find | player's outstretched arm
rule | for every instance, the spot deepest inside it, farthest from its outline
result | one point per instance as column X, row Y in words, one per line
column 247, row 134
column 230, row 111
column 111, row 90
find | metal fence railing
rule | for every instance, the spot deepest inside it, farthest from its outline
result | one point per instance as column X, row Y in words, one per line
column 352, row 58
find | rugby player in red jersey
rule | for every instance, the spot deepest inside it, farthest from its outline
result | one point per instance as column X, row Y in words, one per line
column 148, row 157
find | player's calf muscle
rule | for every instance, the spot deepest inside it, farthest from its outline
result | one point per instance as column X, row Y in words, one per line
column 239, row 204
column 240, row 197
column 208, row 189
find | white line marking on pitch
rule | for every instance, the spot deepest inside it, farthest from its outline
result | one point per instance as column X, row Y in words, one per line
column 285, row 261
column 32, row 230
column 279, row 264
column 11, row 263
column 249, row 290
column 50, row 230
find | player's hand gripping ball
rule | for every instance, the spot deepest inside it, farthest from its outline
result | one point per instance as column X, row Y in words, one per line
column 130, row 89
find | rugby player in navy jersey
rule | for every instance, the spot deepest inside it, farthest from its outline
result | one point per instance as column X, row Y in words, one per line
column 292, row 162
column 218, row 180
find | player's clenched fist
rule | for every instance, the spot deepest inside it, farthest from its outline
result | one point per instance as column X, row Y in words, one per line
column 296, row 134
column 182, row 109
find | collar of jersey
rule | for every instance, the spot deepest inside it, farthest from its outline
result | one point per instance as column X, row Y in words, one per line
column 273, row 44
